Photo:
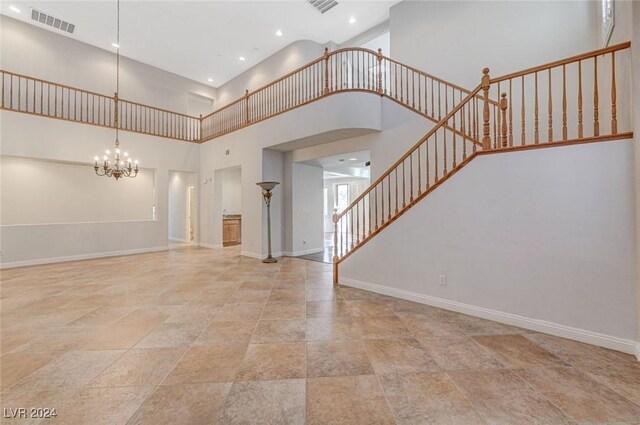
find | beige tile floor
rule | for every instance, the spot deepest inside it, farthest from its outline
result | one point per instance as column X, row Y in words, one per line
column 199, row 336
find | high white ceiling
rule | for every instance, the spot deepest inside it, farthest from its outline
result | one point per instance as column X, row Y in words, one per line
column 204, row 39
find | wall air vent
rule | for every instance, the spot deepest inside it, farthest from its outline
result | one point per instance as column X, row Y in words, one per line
column 52, row 21
column 323, row 6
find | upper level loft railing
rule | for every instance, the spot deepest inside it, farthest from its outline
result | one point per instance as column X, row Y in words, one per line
column 21, row 93
column 580, row 99
column 345, row 70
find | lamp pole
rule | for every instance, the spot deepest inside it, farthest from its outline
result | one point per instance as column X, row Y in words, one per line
column 267, row 187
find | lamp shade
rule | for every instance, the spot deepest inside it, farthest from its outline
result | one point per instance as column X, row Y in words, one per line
column 268, row 186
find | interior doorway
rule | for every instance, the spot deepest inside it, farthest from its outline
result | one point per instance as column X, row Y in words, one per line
column 183, row 210
column 191, row 213
column 345, row 177
column 228, row 206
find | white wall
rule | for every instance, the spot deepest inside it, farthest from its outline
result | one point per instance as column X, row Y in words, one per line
column 307, row 209
column 282, row 62
column 27, row 49
column 542, row 234
column 232, row 190
column 179, row 183
column 635, row 37
column 35, row 191
column 40, row 53
column 246, row 146
column 455, row 40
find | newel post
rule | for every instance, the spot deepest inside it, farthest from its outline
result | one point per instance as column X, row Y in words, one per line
column 379, row 57
column 246, row 107
column 326, row 70
column 335, row 245
column 486, row 129
column 503, row 129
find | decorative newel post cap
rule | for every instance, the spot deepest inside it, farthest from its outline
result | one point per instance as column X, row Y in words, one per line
column 485, row 71
column 246, row 92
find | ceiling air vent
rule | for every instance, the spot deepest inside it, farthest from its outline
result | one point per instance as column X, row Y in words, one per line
column 51, row 21
column 323, row 6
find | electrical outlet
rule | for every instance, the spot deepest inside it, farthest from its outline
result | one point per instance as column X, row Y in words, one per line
column 304, row 241
column 443, row 280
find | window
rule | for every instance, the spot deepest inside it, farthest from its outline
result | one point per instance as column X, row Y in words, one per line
column 342, row 197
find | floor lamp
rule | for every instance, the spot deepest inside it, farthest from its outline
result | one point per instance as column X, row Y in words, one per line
column 267, row 187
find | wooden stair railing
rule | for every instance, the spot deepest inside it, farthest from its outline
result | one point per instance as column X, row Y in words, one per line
column 575, row 100
column 29, row 95
column 344, row 70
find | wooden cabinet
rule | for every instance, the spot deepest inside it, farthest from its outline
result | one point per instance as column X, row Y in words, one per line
column 231, row 231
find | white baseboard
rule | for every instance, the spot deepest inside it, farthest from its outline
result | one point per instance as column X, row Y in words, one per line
column 179, row 240
column 52, row 260
column 210, row 246
column 582, row 335
column 251, row 254
column 303, row 252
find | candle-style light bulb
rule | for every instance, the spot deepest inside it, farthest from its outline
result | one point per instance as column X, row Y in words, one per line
column 126, row 154
column 107, row 152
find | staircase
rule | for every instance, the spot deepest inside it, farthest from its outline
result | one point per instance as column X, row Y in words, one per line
column 570, row 101
column 574, row 100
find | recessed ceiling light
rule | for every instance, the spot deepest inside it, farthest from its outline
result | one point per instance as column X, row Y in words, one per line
column 15, row 9
column 279, row 33
column 210, row 80
column 116, row 45
column 352, row 20
column 353, row 159
column 241, row 58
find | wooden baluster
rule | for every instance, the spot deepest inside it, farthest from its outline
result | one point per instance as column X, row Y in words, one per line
column 596, row 112
column 370, row 212
column 401, row 87
column 564, row 102
column 413, row 89
column 389, row 196
column 444, row 143
column 486, row 130
column 357, row 223
column 510, row 112
column 379, row 57
column 419, row 93
column 326, row 70
column 351, row 226
column 466, row 126
column 522, row 111
column 550, row 109
column 335, row 245
column 382, row 202
column 411, row 177
column 614, row 110
column 435, row 157
column 419, row 173
column 426, row 161
column 404, row 186
column 3, row 91
column 496, row 116
column 536, row 131
column 454, row 132
column 433, row 109
column 375, row 190
column 503, row 108
column 246, row 107
column 396, row 170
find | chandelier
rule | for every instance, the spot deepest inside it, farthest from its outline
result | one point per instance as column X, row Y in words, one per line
column 120, row 164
